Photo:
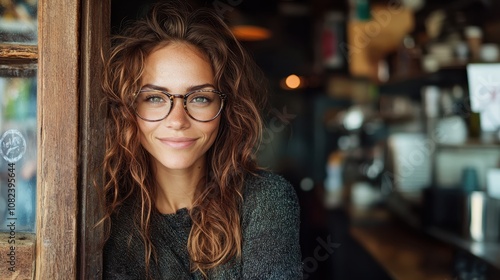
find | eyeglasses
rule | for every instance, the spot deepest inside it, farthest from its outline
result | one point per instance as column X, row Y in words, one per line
column 202, row 105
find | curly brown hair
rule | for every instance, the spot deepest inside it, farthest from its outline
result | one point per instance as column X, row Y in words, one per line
column 215, row 236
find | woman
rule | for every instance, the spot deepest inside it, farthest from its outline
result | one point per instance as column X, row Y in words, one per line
column 184, row 197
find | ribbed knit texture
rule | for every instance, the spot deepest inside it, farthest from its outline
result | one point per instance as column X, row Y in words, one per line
column 270, row 228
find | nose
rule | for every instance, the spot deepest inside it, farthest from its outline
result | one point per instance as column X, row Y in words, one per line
column 177, row 118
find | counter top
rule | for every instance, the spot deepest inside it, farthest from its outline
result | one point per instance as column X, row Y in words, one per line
column 405, row 253
column 487, row 251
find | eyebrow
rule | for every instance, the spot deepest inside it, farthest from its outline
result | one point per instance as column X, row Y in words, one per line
column 191, row 88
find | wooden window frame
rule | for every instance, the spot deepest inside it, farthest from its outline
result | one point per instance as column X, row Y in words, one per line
column 71, row 35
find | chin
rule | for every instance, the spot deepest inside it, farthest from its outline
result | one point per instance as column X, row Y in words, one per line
column 177, row 163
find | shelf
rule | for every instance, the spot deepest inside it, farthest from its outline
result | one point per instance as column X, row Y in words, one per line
column 447, row 76
column 471, row 144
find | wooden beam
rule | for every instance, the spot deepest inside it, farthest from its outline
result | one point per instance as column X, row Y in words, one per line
column 58, row 100
column 94, row 39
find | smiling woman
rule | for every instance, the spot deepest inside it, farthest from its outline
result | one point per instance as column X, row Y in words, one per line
column 177, row 142
column 184, row 198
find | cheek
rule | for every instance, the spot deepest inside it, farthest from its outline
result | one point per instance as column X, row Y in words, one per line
column 211, row 131
column 214, row 129
column 145, row 129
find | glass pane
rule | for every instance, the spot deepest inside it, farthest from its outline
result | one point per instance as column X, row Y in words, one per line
column 18, row 153
column 18, row 21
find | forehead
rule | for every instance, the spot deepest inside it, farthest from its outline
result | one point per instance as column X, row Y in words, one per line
column 176, row 66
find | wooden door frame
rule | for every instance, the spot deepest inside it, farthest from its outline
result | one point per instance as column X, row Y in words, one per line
column 94, row 44
column 71, row 34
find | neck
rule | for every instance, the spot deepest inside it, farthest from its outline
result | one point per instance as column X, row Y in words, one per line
column 176, row 188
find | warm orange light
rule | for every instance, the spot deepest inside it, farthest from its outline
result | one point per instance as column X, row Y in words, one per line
column 292, row 81
column 250, row 33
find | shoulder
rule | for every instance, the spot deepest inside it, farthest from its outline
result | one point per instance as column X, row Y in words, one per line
column 269, row 191
column 266, row 184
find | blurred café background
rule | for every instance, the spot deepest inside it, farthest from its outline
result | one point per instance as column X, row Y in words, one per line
column 384, row 115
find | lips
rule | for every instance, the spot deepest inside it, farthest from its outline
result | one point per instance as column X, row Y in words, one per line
column 178, row 142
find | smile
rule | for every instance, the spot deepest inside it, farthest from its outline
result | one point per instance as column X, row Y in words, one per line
column 178, row 143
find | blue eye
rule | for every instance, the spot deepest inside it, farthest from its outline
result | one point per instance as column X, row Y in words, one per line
column 154, row 99
column 200, row 99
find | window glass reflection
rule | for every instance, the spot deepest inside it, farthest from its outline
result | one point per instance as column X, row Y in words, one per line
column 18, row 153
column 18, row 21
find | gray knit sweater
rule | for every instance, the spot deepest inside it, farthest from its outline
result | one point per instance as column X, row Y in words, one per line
column 270, row 228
